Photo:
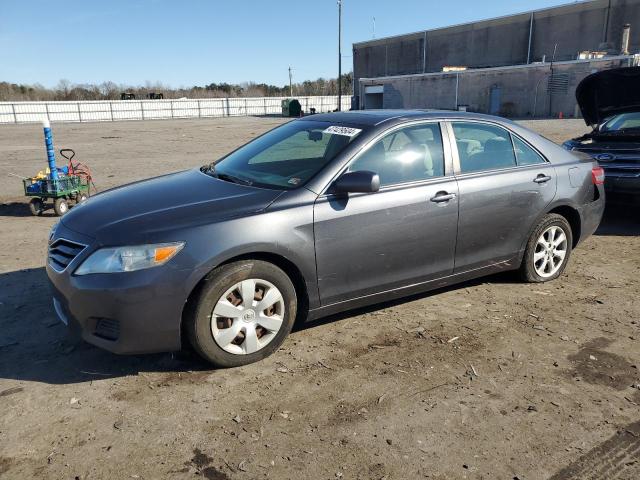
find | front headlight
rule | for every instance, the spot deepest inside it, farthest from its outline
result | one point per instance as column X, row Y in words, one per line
column 129, row 259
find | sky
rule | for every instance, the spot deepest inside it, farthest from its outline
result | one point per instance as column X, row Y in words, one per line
column 198, row 42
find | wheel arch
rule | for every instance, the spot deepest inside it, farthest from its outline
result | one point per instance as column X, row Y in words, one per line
column 289, row 267
column 567, row 211
column 573, row 217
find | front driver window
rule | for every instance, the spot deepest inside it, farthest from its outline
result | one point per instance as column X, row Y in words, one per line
column 407, row 155
column 483, row 147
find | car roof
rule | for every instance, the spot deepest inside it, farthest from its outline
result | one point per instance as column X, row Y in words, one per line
column 376, row 117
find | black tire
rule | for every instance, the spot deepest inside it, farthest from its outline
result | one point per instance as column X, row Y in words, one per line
column 60, row 206
column 527, row 270
column 81, row 197
column 199, row 312
column 36, row 206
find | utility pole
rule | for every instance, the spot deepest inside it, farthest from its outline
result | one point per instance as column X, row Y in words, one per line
column 339, row 55
column 290, row 84
column 374, row 28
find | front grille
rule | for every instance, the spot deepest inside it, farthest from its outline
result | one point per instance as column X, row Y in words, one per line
column 107, row 328
column 62, row 252
column 622, row 162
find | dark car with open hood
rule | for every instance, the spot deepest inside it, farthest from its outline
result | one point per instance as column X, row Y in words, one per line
column 610, row 104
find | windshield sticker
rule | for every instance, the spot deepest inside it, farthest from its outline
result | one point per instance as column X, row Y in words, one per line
column 346, row 131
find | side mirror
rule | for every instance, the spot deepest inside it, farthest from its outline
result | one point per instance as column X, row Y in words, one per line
column 362, row 181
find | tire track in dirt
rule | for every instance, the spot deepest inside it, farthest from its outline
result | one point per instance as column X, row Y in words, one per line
column 616, row 458
column 619, row 456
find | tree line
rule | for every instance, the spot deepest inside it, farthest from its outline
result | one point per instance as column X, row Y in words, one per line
column 65, row 90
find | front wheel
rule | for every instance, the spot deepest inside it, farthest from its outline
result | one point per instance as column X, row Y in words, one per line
column 242, row 313
column 36, row 206
column 548, row 250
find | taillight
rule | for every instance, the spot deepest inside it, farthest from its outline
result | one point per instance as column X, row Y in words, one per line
column 597, row 175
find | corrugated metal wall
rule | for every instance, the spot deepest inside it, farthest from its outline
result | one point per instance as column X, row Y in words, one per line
column 502, row 41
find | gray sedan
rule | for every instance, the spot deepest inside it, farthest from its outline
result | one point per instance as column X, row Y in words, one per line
column 320, row 215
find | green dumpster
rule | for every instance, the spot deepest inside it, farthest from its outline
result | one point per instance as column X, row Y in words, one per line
column 291, row 107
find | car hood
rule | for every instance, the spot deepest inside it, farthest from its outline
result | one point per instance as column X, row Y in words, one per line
column 609, row 92
column 164, row 203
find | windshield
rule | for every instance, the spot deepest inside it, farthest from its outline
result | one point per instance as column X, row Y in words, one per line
column 286, row 157
column 624, row 121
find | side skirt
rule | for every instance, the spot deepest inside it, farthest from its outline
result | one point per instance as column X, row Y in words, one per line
column 411, row 289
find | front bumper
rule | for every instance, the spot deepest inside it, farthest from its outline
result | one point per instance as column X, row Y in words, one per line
column 133, row 312
column 622, row 185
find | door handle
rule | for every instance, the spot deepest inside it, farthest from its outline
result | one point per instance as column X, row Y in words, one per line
column 441, row 197
column 542, row 178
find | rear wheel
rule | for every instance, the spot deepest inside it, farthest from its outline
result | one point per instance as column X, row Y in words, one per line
column 548, row 250
column 82, row 197
column 242, row 313
column 60, row 206
column 36, row 206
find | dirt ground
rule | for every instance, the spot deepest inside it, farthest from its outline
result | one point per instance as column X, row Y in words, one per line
column 492, row 379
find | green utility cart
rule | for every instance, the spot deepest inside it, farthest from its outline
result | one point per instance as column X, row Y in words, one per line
column 61, row 190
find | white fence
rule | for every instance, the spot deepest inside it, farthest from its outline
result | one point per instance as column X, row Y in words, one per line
column 113, row 110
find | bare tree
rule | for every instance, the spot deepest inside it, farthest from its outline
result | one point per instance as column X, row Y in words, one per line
column 109, row 90
column 65, row 90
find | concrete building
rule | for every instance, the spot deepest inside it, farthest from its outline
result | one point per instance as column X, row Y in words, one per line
column 523, row 65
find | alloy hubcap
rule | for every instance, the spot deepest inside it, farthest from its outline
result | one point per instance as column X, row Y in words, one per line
column 550, row 251
column 247, row 317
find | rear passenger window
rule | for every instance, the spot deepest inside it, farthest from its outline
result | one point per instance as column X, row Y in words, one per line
column 483, row 147
column 526, row 155
column 406, row 155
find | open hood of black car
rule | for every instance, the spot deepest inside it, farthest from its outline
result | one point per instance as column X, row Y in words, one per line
column 609, row 92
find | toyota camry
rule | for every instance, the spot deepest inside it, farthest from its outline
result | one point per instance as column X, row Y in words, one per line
column 320, row 215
